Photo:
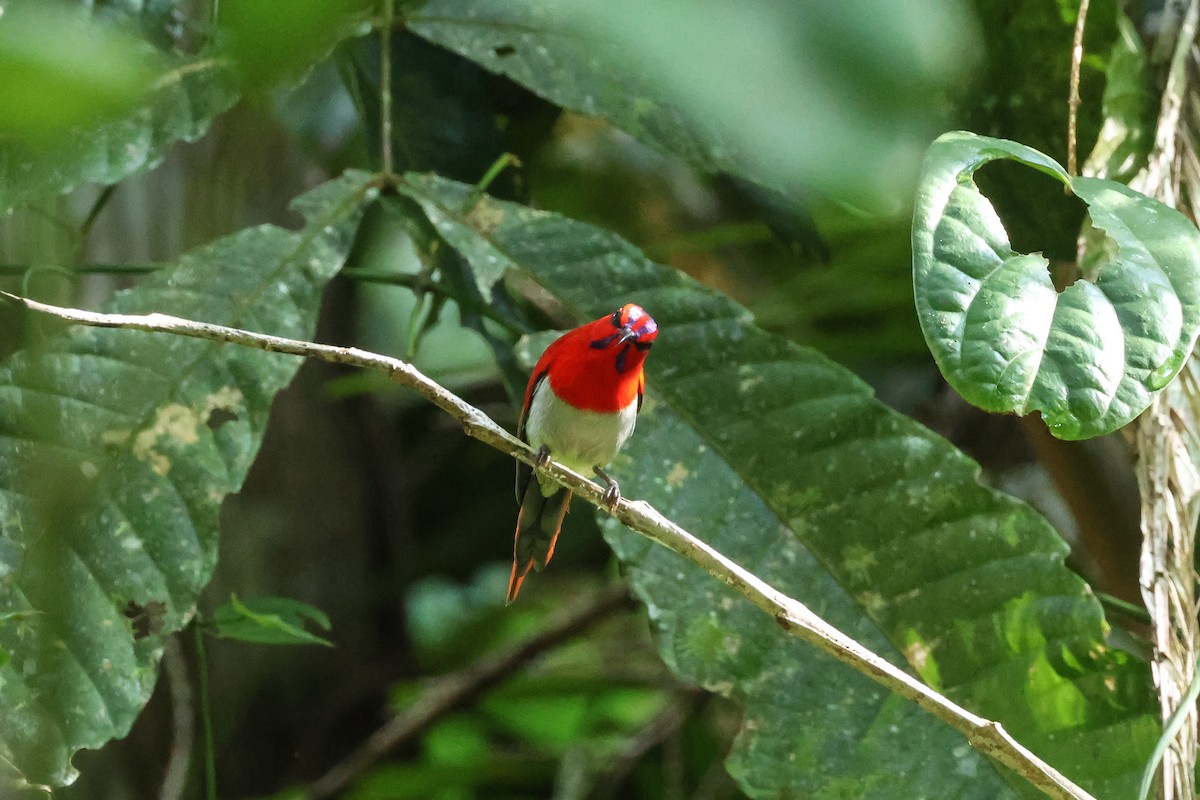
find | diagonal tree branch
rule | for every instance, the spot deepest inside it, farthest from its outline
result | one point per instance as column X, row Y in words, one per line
column 793, row 616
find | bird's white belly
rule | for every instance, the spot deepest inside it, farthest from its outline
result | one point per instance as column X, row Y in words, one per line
column 578, row 439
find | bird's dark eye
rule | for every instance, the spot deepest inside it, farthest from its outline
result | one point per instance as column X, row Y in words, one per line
column 616, row 319
column 643, row 346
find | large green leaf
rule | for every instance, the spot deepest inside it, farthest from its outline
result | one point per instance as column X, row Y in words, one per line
column 784, row 461
column 1089, row 358
column 116, row 450
column 832, row 96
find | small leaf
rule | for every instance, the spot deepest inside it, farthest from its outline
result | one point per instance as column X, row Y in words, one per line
column 1089, row 358
column 269, row 620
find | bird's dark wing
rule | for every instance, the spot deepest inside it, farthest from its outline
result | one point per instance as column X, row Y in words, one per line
column 523, row 471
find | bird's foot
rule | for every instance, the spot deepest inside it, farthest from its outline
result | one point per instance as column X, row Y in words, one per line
column 612, row 494
column 541, row 459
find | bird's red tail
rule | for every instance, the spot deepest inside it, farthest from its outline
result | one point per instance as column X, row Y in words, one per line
column 538, row 525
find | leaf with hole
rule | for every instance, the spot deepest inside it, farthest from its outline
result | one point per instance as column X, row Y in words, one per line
column 1089, row 358
column 112, row 476
column 784, row 461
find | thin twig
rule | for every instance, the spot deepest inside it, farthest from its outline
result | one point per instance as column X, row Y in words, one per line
column 791, row 615
column 385, row 87
column 663, row 725
column 88, row 269
column 456, row 690
column 1073, row 103
column 502, row 163
column 183, row 721
column 97, row 207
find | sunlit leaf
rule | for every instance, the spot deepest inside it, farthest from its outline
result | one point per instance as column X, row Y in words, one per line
column 1129, row 110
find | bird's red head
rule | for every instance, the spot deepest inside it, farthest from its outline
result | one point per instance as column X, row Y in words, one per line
column 632, row 327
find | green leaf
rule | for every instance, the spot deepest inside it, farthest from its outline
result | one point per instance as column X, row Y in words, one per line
column 1130, row 110
column 63, row 67
column 179, row 106
column 1089, row 358
column 834, row 97
column 269, row 620
column 268, row 46
column 116, row 450
column 784, row 461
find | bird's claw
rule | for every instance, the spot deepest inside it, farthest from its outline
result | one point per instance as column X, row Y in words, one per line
column 542, row 457
column 612, row 496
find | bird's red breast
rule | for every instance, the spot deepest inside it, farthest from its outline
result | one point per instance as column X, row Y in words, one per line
column 598, row 366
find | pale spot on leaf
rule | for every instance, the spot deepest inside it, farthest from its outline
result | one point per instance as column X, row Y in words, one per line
column 485, row 216
column 858, row 561
column 677, row 475
column 176, row 422
column 919, row 653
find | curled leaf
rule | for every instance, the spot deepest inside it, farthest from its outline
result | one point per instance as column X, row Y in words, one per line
column 1089, row 358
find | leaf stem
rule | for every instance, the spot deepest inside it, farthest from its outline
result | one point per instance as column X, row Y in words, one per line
column 420, row 283
column 183, row 721
column 97, row 207
column 499, row 165
column 210, row 762
column 791, row 615
column 1119, row 606
column 82, row 269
